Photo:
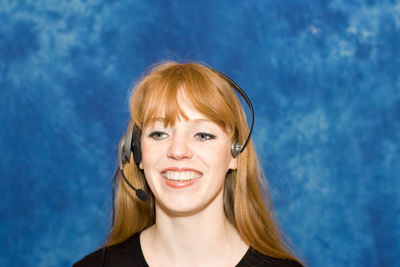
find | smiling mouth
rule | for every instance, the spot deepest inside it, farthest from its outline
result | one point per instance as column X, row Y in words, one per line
column 181, row 175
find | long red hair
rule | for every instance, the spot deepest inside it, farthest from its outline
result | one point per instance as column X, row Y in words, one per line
column 246, row 202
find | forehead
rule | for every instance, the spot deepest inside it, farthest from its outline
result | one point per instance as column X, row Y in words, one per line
column 176, row 102
column 185, row 110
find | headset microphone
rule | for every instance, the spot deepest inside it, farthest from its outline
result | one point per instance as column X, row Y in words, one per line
column 126, row 145
column 142, row 195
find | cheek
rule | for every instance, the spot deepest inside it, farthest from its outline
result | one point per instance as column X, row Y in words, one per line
column 218, row 158
column 149, row 156
column 148, row 165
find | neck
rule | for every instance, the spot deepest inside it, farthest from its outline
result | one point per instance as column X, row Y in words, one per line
column 206, row 229
column 185, row 238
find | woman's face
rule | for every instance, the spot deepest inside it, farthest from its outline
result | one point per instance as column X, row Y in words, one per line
column 186, row 164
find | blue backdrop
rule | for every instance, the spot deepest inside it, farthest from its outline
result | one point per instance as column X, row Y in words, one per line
column 323, row 76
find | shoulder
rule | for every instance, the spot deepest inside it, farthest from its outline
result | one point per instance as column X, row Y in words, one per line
column 256, row 259
column 127, row 253
column 93, row 259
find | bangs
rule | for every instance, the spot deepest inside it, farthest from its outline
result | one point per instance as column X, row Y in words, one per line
column 157, row 96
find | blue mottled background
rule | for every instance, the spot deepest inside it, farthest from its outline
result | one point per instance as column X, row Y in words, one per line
column 323, row 76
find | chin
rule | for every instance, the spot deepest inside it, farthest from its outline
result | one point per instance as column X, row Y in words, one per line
column 189, row 205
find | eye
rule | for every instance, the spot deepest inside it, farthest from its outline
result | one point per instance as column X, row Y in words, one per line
column 204, row 136
column 158, row 135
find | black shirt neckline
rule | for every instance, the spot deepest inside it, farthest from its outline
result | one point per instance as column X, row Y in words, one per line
column 135, row 240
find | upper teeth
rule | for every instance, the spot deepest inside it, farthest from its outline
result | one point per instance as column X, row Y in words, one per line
column 181, row 176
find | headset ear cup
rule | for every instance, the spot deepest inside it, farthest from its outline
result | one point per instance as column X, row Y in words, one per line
column 235, row 149
column 126, row 143
column 121, row 156
column 136, row 145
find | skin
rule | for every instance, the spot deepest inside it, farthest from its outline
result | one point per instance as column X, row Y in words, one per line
column 191, row 228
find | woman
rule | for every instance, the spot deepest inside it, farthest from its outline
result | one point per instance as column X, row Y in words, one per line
column 207, row 206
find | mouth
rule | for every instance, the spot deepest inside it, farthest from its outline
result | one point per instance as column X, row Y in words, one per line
column 181, row 175
column 180, row 178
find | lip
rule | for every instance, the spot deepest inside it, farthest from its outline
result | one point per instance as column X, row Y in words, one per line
column 180, row 184
column 181, row 169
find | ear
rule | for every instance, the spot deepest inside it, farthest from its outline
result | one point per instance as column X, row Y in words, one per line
column 233, row 164
column 141, row 165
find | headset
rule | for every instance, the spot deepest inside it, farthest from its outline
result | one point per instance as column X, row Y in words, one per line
column 130, row 144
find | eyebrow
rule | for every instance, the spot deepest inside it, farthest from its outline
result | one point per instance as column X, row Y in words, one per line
column 160, row 119
column 201, row 120
column 197, row 121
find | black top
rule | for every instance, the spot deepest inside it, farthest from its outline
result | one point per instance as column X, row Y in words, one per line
column 129, row 254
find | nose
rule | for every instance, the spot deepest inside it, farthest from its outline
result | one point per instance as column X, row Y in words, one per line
column 179, row 148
